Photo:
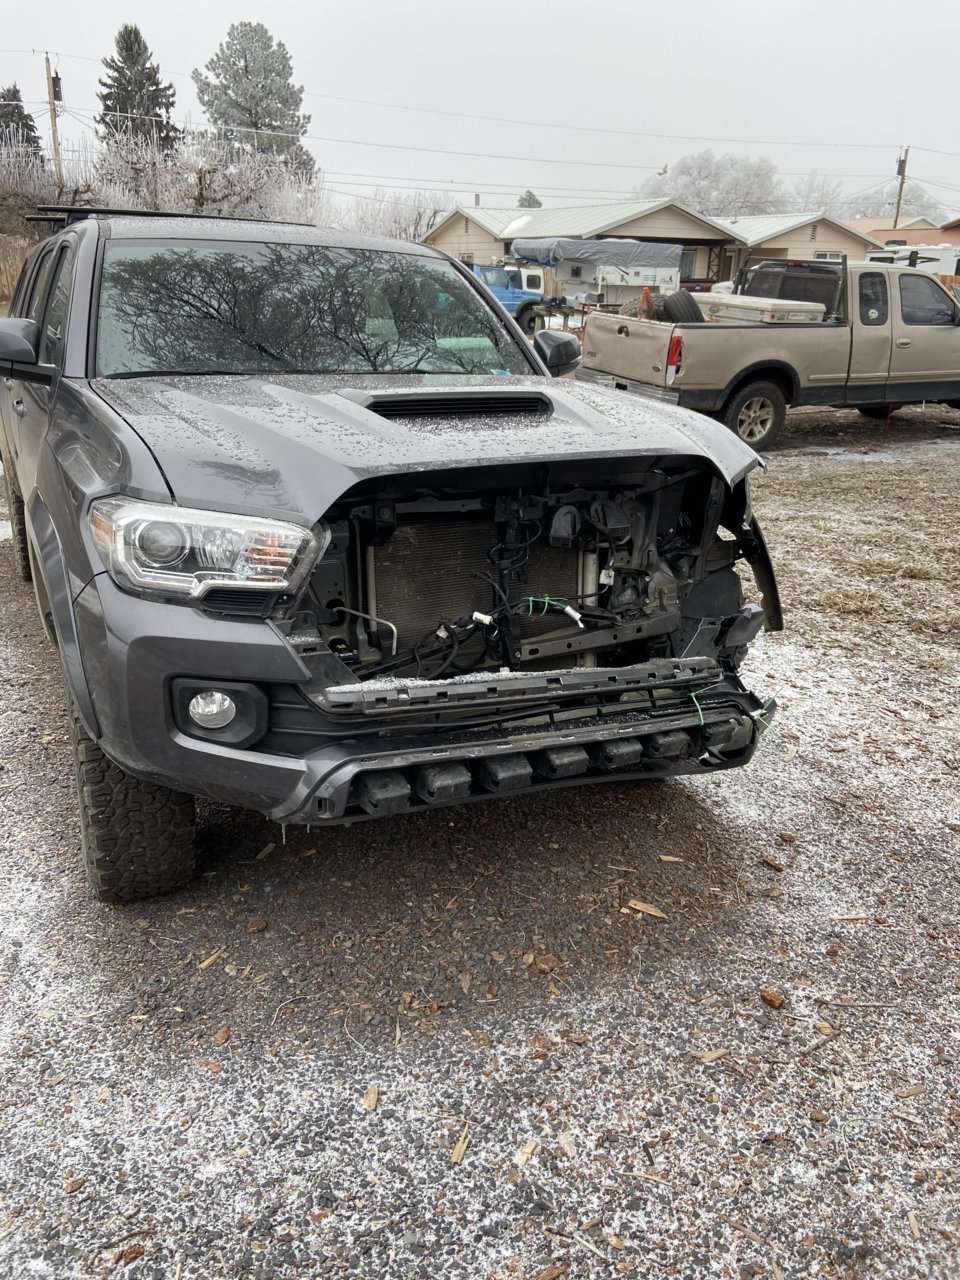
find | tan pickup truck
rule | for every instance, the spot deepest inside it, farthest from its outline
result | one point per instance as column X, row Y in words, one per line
column 882, row 336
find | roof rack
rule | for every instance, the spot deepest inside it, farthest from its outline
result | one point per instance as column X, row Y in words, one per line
column 67, row 214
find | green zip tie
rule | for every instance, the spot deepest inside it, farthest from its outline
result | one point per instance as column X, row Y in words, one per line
column 695, row 694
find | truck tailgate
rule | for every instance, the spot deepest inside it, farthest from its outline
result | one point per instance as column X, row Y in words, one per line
column 627, row 347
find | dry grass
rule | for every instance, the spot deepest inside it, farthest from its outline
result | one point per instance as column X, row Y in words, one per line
column 867, row 545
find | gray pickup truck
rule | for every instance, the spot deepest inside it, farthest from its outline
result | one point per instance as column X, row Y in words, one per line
column 317, row 535
column 884, row 336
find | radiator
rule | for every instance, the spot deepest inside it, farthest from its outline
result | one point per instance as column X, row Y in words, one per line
column 424, row 576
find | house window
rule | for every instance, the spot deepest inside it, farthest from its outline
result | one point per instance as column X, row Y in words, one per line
column 688, row 264
column 828, row 255
column 467, row 259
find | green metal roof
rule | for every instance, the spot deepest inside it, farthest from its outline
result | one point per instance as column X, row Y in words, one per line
column 577, row 221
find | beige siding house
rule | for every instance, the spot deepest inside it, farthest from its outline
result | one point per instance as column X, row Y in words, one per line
column 477, row 234
column 714, row 248
column 807, row 235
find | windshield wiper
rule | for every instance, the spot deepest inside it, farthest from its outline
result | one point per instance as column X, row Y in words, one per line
column 198, row 373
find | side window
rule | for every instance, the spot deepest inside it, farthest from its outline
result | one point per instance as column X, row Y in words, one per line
column 55, row 316
column 534, row 282
column 873, row 298
column 922, row 301
column 35, row 296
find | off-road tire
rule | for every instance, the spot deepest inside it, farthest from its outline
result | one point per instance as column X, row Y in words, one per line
column 879, row 412
column 757, row 413
column 18, row 525
column 138, row 839
column 527, row 320
column 681, row 308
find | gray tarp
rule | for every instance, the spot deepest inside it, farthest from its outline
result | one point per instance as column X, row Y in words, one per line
column 602, row 253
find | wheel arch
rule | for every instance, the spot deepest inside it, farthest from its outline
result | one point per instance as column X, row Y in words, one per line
column 778, row 372
column 52, row 580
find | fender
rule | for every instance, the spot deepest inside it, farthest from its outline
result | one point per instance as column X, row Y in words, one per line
column 764, row 366
column 49, row 564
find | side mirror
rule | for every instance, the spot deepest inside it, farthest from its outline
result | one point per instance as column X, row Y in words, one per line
column 560, row 352
column 19, row 345
column 19, row 341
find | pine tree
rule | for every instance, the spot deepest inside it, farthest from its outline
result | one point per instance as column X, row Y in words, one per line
column 529, row 201
column 18, row 129
column 249, row 95
column 135, row 101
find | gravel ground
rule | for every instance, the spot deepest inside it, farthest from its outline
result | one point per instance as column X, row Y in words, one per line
column 760, row 1081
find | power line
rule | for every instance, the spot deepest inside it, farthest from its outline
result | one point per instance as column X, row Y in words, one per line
column 438, row 151
column 542, row 124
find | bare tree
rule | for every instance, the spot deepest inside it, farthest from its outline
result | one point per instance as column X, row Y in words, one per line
column 402, row 215
column 205, row 175
column 723, row 186
column 817, row 193
column 880, row 203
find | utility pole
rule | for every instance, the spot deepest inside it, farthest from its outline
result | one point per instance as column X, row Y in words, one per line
column 902, row 175
column 53, row 94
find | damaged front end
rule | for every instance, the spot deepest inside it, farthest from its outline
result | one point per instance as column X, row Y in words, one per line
column 493, row 629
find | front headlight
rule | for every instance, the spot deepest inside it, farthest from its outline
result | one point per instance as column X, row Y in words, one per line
column 162, row 550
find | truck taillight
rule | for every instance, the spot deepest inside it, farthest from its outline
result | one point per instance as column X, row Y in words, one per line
column 675, row 352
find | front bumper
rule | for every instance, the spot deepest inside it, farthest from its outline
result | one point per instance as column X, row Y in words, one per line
column 372, row 753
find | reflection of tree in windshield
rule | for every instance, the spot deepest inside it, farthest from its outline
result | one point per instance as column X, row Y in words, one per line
column 293, row 309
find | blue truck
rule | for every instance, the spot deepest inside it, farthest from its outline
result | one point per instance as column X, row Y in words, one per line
column 518, row 302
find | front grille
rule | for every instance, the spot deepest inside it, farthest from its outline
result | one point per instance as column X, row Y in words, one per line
column 426, row 574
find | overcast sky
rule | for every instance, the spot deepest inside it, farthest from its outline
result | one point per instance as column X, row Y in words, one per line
column 824, row 84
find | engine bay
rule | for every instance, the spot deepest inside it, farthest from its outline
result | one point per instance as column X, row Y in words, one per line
column 423, row 582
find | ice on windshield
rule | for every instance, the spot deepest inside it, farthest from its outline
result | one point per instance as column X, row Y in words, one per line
column 290, row 308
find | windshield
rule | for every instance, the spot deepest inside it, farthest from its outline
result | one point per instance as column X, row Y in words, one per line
column 495, row 277
column 290, row 308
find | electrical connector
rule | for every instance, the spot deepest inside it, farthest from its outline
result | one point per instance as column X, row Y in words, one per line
column 484, row 618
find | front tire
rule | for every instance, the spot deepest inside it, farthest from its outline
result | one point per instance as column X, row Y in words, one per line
column 527, row 320
column 757, row 413
column 138, row 839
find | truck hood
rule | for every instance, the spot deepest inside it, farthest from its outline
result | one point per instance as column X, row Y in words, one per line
column 291, row 446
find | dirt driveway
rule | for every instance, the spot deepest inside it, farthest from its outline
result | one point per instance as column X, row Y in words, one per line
column 447, row 1045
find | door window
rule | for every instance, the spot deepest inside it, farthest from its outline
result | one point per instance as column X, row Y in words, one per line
column 51, row 334
column 35, row 297
column 873, row 298
column 922, row 301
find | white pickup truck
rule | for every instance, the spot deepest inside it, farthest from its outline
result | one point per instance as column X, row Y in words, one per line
column 883, row 336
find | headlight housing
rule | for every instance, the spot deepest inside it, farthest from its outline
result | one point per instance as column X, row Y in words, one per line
column 181, row 553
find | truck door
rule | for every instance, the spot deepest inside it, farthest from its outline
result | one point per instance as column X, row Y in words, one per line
column 925, row 359
column 12, row 403
column 870, row 352
column 35, row 398
column 498, row 282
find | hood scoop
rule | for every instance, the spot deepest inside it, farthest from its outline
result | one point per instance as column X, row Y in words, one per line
column 451, row 404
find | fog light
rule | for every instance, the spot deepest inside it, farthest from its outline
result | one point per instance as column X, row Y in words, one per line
column 212, row 710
